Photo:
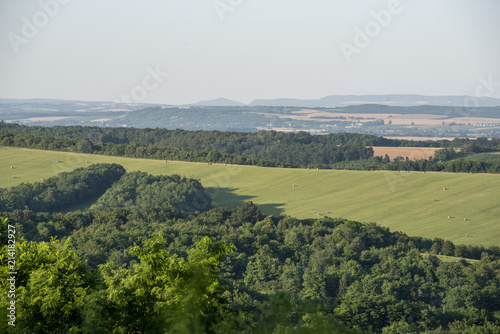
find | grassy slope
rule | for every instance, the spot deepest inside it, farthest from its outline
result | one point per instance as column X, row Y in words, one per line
column 401, row 201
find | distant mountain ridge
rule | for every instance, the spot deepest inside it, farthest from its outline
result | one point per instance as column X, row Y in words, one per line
column 222, row 102
column 402, row 100
column 331, row 101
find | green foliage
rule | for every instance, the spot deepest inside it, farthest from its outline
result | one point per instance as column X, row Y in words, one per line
column 163, row 292
column 139, row 189
column 61, row 191
column 285, row 275
column 445, row 154
column 406, row 198
column 51, row 285
column 335, row 273
column 264, row 148
column 56, row 292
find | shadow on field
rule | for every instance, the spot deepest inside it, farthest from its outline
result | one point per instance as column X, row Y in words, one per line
column 227, row 198
column 271, row 208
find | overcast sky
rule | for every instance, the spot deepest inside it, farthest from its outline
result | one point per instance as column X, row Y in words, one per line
column 246, row 49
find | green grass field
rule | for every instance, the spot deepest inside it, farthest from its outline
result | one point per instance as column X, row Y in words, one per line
column 400, row 201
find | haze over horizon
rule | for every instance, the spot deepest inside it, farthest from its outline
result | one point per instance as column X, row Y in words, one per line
column 246, row 50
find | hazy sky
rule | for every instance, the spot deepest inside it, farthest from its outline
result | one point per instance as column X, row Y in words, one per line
column 247, row 49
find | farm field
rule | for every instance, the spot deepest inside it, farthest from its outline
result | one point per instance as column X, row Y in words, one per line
column 394, row 118
column 410, row 152
column 415, row 203
column 420, row 138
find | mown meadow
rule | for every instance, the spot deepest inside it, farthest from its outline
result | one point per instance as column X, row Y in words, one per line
column 415, row 203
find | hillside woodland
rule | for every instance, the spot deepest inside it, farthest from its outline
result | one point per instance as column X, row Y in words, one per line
column 264, row 148
column 151, row 255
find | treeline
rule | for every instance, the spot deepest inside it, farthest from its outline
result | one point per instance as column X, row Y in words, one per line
column 265, row 148
column 327, row 156
column 229, row 142
column 61, row 191
column 282, row 275
column 445, row 160
column 298, row 153
column 460, row 165
column 128, row 150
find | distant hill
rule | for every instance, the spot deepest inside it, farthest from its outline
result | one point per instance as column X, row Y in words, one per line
column 222, row 102
column 333, row 101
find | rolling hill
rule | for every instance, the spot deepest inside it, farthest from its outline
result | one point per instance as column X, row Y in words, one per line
column 415, row 203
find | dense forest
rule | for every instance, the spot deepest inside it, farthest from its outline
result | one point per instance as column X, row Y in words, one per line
column 152, row 265
column 62, row 191
column 265, row 148
column 230, row 142
column 139, row 189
